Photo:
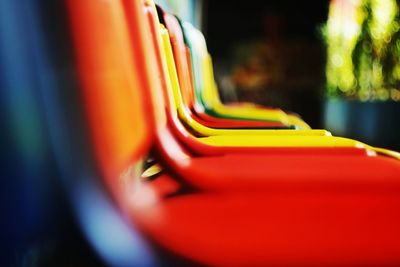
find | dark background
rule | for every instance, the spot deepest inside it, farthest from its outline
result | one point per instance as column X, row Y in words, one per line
column 291, row 29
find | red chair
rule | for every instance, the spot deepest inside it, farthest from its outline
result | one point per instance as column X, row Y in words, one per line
column 225, row 210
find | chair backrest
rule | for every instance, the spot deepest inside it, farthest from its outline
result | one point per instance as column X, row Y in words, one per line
column 112, row 73
column 145, row 28
column 160, row 41
column 110, row 70
column 181, row 56
column 41, row 90
column 203, row 74
column 165, row 71
column 191, row 39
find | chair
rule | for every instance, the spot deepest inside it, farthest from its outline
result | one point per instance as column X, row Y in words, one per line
column 50, row 173
column 185, row 84
column 98, row 110
column 225, row 139
column 308, row 210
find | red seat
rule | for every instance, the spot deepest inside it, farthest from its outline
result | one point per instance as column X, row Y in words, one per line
column 277, row 228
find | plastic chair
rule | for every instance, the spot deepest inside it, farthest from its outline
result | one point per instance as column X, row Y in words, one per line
column 100, row 172
column 228, row 143
column 182, row 60
column 184, row 114
column 186, row 89
column 176, row 103
column 315, row 212
column 51, row 166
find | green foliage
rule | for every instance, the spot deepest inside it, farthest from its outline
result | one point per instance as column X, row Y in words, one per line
column 363, row 50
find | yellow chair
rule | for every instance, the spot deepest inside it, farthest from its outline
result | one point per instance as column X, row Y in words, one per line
column 248, row 138
column 265, row 138
column 176, row 103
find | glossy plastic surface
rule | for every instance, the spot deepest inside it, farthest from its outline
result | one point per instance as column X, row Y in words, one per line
column 285, row 227
column 118, row 118
column 256, row 210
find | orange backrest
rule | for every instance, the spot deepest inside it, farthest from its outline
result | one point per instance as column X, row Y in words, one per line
column 141, row 42
column 111, row 69
column 145, row 28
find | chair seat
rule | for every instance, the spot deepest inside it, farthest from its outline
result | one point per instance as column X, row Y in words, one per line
column 221, row 123
column 297, row 172
column 277, row 228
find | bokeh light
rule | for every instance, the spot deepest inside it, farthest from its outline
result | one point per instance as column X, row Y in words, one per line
column 363, row 48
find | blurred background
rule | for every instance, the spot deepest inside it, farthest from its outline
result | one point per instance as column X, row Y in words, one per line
column 269, row 52
column 334, row 62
